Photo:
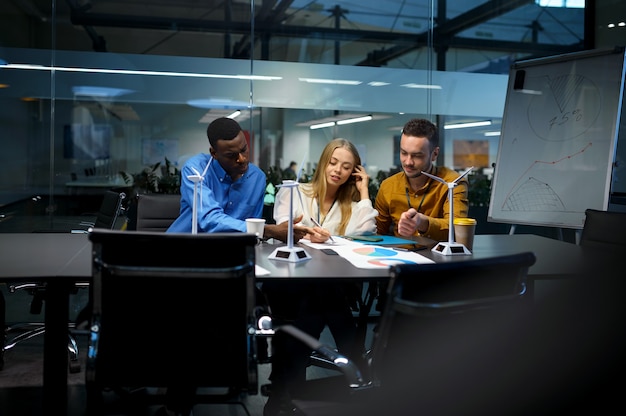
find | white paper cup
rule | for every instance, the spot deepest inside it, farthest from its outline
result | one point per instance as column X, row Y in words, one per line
column 255, row 226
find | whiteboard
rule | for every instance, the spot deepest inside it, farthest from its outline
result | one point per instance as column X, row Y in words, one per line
column 558, row 139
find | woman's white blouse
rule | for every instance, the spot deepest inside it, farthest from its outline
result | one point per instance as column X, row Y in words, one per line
column 362, row 221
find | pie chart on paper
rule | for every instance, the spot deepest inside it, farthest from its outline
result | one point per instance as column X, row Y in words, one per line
column 375, row 251
column 389, row 262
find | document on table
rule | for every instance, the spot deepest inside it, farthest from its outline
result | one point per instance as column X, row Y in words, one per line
column 369, row 256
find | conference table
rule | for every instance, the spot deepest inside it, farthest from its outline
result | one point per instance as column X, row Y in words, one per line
column 63, row 259
column 550, row 254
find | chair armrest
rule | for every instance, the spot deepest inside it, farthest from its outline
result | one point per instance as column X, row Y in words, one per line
column 31, row 286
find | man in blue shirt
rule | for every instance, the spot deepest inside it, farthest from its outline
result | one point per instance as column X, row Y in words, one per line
column 230, row 188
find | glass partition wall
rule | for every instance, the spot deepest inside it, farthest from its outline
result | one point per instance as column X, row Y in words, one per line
column 97, row 93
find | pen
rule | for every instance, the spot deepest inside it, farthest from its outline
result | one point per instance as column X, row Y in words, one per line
column 317, row 224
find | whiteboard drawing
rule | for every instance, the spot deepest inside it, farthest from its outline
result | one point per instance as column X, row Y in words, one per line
column 535, row 194
column 566, row 108
column 558, row 139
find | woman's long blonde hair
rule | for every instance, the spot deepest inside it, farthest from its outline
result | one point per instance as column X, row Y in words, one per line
column 346, row 192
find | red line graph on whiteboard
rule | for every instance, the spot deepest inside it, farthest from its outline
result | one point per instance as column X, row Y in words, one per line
column 534, row 194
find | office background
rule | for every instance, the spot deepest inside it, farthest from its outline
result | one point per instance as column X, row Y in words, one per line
column 90, row 88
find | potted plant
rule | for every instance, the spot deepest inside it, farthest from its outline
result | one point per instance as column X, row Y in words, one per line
column 151, row 179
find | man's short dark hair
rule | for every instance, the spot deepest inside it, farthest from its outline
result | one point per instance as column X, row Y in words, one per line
column 419, row 127
column 222, row 128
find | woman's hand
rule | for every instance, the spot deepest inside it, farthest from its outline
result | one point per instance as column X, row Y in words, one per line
column 362, row 181
column 318, row 234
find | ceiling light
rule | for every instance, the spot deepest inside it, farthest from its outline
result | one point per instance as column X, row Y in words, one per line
column 377, row 84
column 213, row 114
column 354, row 120
column 138, row 72
column 424, row 86
column 91, row 91
column 223, row 103
column 465, row 125
column 339, row 119
column 340, row 122
column 322, row 125
column 530, row 92
column 492, row 133
column 329, row 81
column 234, row 114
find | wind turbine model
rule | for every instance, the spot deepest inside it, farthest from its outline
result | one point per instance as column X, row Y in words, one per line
column 196, row 179
column 290, row 253
column 450, row 248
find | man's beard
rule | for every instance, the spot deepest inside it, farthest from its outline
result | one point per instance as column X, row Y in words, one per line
column 418, row 173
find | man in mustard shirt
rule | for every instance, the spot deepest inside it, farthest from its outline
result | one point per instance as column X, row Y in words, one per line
column 410, row 203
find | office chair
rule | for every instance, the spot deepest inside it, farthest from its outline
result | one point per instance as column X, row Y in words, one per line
column 156, row 212
column 110, row 211
column 444, row 334
column 604, row 230
column 107, row 217
column 171, row 309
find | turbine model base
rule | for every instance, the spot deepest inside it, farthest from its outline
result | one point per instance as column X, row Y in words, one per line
column 290, row 254
column 451, row 249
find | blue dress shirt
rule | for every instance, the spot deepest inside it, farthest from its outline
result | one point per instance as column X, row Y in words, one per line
column 222, row 205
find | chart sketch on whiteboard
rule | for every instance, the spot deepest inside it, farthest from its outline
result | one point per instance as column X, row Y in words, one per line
column 533, row 194
column 558, row 139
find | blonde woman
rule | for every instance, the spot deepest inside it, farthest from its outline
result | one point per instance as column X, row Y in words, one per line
column 337, row 198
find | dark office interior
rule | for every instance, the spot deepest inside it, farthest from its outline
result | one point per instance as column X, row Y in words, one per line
column 116, row 95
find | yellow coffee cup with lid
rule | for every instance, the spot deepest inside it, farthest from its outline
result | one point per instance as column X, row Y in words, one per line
column 464, row 230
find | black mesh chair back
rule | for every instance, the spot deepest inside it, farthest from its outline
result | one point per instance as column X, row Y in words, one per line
column 156, row 212
column 171, row 309
column 444, row 333
column 110, row 210
column 604, row 230
column 445, row 329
